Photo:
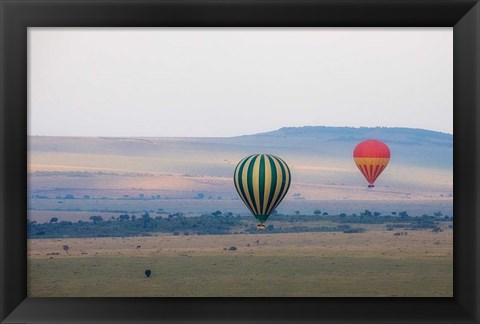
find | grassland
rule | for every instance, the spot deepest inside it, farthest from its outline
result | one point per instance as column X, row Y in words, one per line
column 374, row 263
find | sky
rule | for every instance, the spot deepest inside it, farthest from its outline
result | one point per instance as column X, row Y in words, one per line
column 216, row 82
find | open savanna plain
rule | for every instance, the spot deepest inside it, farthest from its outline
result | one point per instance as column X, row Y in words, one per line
column 373, row 263
column 189, row 180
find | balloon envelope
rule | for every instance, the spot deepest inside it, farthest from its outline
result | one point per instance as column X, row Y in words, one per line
column 371, row 158
column 262, row 181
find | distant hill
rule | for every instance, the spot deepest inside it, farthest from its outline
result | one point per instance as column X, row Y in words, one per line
column 397, row 135
column 416, row 147
column 300, row 146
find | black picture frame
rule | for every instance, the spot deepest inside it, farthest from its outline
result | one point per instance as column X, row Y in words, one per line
column 18, row 15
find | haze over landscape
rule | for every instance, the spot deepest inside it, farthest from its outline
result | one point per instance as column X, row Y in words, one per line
column 418, row 178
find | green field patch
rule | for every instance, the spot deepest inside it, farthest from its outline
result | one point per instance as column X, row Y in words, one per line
column 246, row 275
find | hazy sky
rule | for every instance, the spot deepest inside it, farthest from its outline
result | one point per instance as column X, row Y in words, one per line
column 235, row 81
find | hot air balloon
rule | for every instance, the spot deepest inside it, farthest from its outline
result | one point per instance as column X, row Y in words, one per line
column 371, row 158
column 262, row 181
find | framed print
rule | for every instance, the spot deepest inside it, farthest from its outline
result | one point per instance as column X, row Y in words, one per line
column 148, row 198
column 176, row 149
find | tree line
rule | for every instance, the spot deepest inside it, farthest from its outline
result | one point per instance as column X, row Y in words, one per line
column 218, row 223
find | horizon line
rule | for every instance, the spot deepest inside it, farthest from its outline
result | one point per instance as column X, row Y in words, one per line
column 258, row 133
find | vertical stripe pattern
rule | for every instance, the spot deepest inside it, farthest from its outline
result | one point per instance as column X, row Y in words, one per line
column 371, row 168
column 262, row 181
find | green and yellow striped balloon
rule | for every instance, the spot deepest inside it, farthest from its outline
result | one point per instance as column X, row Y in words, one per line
column 262, row 181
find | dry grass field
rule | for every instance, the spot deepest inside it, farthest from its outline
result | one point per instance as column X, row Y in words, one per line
column 374, row 263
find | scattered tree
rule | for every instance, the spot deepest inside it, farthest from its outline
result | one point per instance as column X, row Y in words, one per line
column 96, row 219
column 146, row 216
column 366, row 213
column 403, row 214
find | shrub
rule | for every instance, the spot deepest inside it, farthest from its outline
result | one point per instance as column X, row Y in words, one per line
column 437, row 229
column 355, row 230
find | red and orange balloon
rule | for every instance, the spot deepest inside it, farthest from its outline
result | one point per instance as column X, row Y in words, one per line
column 371, row 158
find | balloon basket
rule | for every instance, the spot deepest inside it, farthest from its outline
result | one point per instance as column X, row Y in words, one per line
column 261, row 226
column 370, row 186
